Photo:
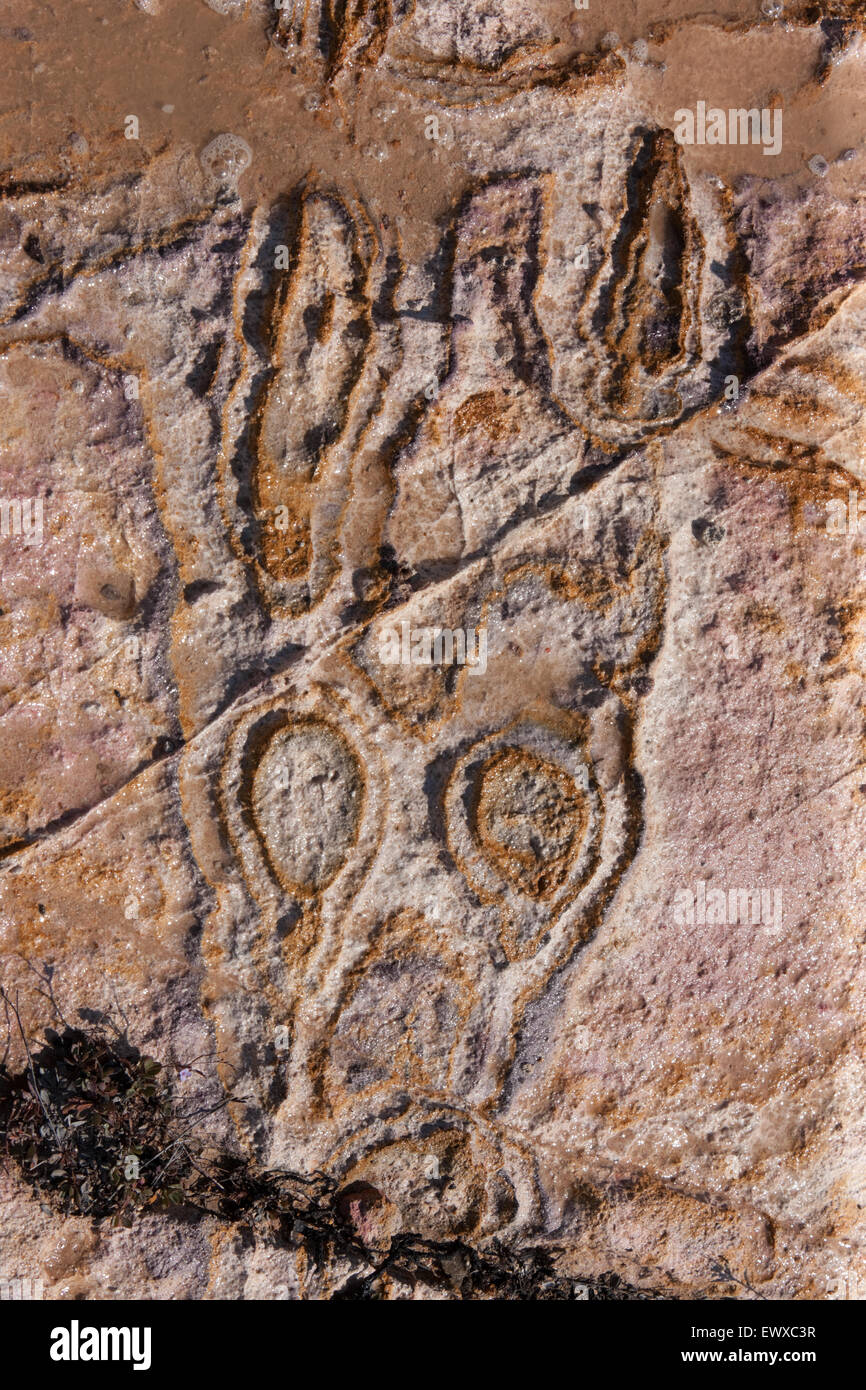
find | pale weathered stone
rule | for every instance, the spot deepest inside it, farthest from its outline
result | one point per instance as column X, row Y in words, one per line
column 383, row 335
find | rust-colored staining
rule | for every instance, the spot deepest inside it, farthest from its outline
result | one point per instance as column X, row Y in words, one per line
column 333, row 34
column 487, row 411
column 320, row 338
column 493, row 417
column 421, row 698
column 404, row 1012
column 529, row 816
column 813, row 484
column 644, row 306
column 765, row 617
column 525, row 822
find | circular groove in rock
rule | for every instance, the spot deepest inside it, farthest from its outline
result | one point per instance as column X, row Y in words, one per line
column 307, row 798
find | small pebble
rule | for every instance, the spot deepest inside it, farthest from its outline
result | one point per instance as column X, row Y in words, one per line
column 819, row 165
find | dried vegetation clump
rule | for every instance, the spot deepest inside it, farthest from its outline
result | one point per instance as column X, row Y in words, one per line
column 91, row 1125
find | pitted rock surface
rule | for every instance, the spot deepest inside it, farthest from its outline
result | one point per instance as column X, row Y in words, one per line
column 431, row 599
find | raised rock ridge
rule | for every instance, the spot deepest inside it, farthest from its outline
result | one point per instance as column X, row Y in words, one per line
column 430, row 595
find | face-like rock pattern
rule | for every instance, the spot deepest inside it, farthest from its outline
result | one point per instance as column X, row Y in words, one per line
column 408, row 844
column 430, row 594
column 425, row 821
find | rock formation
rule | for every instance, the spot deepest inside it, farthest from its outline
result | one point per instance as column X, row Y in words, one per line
column 431, row 605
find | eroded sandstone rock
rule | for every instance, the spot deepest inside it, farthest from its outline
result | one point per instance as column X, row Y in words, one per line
column 416, row 324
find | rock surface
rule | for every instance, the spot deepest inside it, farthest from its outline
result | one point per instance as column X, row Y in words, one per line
column 330, row 332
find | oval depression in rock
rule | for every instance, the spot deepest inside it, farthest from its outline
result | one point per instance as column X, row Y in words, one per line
column 307, row 798
column 530, row 817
